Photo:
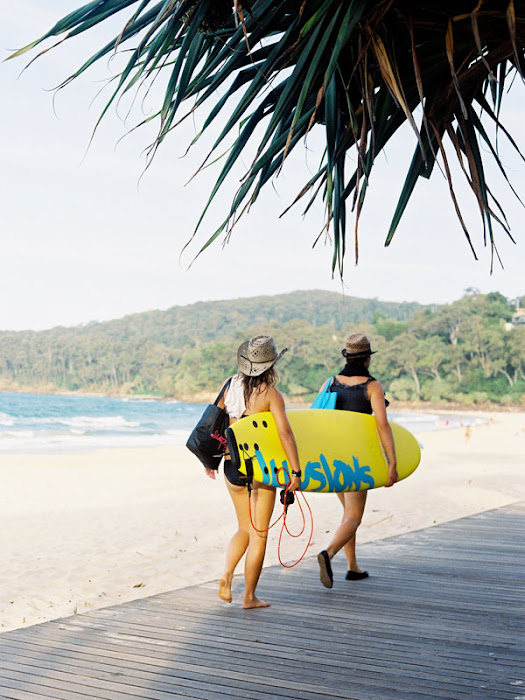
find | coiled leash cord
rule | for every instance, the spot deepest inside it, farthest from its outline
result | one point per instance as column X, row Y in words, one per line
column 286, row 501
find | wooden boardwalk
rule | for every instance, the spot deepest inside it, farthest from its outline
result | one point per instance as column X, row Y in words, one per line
column 438, row 618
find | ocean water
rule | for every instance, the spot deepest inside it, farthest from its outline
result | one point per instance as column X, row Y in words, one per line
column 49, row 422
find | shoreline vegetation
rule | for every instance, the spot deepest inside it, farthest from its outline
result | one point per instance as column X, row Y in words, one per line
column 469, row 354
column 207, row 397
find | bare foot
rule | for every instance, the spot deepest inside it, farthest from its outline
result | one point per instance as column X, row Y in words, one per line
column 225, row 589
column 255, row 603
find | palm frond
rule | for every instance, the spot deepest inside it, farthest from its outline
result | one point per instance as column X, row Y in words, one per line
column 359, row 68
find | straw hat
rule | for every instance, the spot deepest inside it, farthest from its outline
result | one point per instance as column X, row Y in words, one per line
column 357, row 345
column 257, row 355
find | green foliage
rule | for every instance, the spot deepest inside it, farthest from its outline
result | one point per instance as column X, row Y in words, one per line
column 388, row 328
column 359, row 70
column 459, row 352
column 438, row 391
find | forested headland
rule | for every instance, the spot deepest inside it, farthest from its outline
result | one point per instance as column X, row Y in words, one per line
column 468, row 352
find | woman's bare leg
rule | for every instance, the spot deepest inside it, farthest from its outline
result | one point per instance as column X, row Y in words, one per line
column 349, row 524
column 262, row 503
column 238, row 543
column 353, row 505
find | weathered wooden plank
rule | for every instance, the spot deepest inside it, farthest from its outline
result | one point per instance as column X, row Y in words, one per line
column 102, row 684
column 352, row 690
column 395, row 608
column 363, row 600
column 104, row 689
column 372, row 670
column 80, row 619
column 120, row 661
column 48, row 683
column 24, row 689
column 214, row 636
column 409, row 573
column 273, row 659
column 140, row 666
column 348, row 650
column 202, row 645
column 144, row 659
column 449, row 630
column 375, row 621
column 375, row 587
column 269, row 656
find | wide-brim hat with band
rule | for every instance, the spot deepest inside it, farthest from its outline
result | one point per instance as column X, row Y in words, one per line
column 257, row 355
column 357, row 345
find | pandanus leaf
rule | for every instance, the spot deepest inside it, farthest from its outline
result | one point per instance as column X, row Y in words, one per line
column 358, row 68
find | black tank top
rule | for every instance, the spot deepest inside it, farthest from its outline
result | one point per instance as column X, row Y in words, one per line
column 352, row 398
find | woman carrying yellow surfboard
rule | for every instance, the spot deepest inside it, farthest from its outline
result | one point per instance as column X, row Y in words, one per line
column 358, row 391
column 250, row 392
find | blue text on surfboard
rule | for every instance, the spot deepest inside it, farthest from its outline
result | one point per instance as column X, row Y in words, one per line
column 340, row 477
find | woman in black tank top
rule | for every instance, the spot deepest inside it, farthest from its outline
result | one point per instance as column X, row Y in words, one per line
column 357, row 391
column 352, row 397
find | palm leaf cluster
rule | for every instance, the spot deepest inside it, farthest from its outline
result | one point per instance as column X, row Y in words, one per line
column 359, row 68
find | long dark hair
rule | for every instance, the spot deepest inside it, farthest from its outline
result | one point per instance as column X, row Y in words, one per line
column 269, row 378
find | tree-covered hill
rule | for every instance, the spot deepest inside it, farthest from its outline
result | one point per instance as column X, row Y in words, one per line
column 194, row 324
column 465, row 351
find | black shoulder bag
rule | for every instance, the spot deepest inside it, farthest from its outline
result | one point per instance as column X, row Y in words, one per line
column 207, row 441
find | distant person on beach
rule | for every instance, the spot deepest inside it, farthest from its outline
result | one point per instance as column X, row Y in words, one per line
column 357, row 391
column 253, row 390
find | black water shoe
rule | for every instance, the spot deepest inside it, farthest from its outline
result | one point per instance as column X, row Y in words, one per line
column 327, row 578
column 356, row 575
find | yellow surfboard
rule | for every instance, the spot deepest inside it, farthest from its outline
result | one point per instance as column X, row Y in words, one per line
column 338, row 450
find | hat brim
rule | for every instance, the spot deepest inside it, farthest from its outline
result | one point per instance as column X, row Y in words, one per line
column 357, row 355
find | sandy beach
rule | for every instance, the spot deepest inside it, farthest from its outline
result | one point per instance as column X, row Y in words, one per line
column 86, row 530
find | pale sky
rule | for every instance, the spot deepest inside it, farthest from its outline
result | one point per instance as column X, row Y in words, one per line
column 82, row 240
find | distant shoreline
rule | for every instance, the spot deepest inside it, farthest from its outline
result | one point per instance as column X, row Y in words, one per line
column 204, row 398
column 87, row 394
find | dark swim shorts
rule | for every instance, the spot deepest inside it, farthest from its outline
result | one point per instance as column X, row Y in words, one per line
column 233, row 475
